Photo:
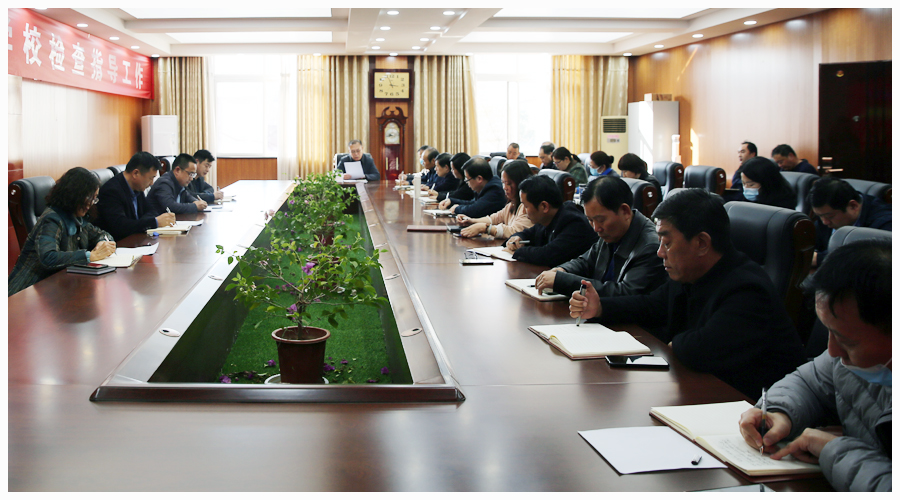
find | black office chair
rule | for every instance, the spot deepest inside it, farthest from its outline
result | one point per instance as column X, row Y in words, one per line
column 498, row 153
column 165, row 164
column 117, row 169
column 337, row 159
column 104, row 174
column 645, row 196
column 496, row 163
column 702, row 176
column 879, row 190
column 27, row 201
column 780, row 240
column 564, row 180
column 670, row 176
column 801, row 183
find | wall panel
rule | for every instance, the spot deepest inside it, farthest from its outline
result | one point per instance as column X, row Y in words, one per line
column 760, row 84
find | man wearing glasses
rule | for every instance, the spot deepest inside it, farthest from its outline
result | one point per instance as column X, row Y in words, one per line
column 123, row 209
column 489, row 194
column 168, row 192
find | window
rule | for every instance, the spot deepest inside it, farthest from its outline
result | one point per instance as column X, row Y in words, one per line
column 512, row 94
column 246, row 101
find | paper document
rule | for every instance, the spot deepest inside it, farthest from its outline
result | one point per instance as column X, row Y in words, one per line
column 527, row 287
column 437, row 212
column 190, row 222
column 631, row 450
column 139, row 251
column 228, row 197
column 217, row 208
column 498, row 252
column 178, row 228
column 117, row 260
column 354, row 168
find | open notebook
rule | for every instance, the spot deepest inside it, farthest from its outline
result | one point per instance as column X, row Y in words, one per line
column 715, row 428
column 589, row 341
column 179, row 228
column 497, row 252
column 438, row 213
column 527, row 287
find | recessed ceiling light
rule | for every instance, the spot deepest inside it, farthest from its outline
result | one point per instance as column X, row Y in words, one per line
column 376, row 47
column 82, row 25
column 317, row 53
column 393, row 12
column 470, row 54
column 749, row 23
column 435, row 28
column 449, row 12
column 154, row 55
column 698, row 35
column 135, row 47
column 627, row 54
column 658, row 46
column 113, row 38
column 385, row 28
column 393, row 54
column 424, row 39
column 416, row 47
column 379, row 39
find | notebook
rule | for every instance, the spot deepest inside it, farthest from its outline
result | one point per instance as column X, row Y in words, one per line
column 178, row 228
column 589, row 341
column 438, row 213
column 527, row 287
column 497, row 252
column 715, row 428
column 123, row 259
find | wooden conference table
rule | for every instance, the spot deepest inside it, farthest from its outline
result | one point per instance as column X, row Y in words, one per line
column 516, row 430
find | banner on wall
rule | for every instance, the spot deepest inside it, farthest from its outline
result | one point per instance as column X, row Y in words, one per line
column 49, row 51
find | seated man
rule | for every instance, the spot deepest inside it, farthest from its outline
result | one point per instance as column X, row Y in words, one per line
column 848, row 385
column 489, row 194
column 836, row 204
column 786, row 159
column 198, row 187
column 123, row 209
column 623, row 261
column 545, row 154
column 748, row 150
column 168, row 192
column 560, row 232
column 723, row 314
column 406, row 179
column 356, row 154
column 512, row 152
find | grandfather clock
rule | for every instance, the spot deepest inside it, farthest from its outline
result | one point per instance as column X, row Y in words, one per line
column 390, row 95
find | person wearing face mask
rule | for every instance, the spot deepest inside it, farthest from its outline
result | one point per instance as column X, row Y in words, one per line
column 764, row 184
column 848, row 385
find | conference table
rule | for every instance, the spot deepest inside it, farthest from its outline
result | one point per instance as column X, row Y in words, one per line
column 516, row 429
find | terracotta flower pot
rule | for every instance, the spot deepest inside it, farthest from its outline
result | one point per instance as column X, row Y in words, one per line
column 301, row 355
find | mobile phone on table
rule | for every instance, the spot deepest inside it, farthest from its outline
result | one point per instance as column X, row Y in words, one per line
column 637, row 362
column 476, row 262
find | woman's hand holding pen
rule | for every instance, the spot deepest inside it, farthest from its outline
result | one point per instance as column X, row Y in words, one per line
column 104, row 249
column 587, row 305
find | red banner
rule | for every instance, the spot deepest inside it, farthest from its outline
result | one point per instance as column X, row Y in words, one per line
column 47, row 50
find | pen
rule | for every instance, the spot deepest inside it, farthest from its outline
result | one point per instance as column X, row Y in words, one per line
column 696, row 460
column 524, row 242
column 762, row 425
column 578, row 320
column 168, row 212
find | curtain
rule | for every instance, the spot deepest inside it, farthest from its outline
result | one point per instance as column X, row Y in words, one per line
column 586, row 88
column 184, row 91
column 333, row 108
column 444, row 110
column 288, row 161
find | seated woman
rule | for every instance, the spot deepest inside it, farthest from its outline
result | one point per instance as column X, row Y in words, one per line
column 567, row 162
column 62, row 237
column 602, row 164
column 512, row 218
column 763, row 183
column 462, row 190
column 443, row 181
column 633, row 167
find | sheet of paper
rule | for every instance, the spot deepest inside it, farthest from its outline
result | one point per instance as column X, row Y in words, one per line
column 140, row 251
column 354, row 168
column 527, row 286
column 228, row 198
column 745, row 457
column 631, row 450
column 118, row 260
column 216, row 208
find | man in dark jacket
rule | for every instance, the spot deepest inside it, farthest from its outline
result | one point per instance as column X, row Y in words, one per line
column 168, row 192
column 624, row 260
column 370, row 171
column 836, row 204
column 198, row 187
column 489, row 194
column 123, row 209
column 723, row 314
column 560, row 232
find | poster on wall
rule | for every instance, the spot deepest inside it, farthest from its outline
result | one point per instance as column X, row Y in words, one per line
column 49, row 51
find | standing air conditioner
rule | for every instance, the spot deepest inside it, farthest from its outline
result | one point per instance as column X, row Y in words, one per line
column 614, row 136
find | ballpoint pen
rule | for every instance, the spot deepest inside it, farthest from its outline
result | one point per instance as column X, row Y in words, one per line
column 762, row 425
column 578, row 319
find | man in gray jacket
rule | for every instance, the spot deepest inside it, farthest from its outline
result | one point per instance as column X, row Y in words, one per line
column 848, row 385
column 623, row 261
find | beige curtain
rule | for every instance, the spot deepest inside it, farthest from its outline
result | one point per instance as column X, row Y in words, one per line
column 184, row 91
column 444, row 114
column 333, row 108
column 586, row 88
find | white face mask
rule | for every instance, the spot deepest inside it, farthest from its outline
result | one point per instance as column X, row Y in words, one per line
column 877, row 374
column 751, row 194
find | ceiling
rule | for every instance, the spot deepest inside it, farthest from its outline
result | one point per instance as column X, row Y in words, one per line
column 208, row 30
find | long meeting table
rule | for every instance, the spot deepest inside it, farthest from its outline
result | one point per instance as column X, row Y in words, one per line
column 516, row 430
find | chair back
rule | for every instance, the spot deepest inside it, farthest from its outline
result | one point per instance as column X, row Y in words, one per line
column 496, row 163
column 702, row 176
column 564, row 180
column 117, row 169
column 669, row 174
column 879, row 190
column 337, row 159
column 498, row 153
column 645, row 196
column 780, row 240
column 103, row 174
column 165, row 164
column 801, row 183
column 849, row 234
column 584, row 157
column 27, row 201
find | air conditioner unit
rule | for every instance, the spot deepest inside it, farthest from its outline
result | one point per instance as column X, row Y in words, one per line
column 614, row 136
column 159, row 135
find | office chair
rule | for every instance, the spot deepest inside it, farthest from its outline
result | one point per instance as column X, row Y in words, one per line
column 801, row 183
column 879, row 190
column 496, row 163
column 116, row 169
column 564, row 180
column 645, row 196
column 670, row 175
column 27, row 201
column 702, row 176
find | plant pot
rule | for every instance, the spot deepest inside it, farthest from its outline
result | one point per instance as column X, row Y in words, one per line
column 301, row 355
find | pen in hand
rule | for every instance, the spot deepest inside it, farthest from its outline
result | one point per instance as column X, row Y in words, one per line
column 762, row 425
column 578, row 319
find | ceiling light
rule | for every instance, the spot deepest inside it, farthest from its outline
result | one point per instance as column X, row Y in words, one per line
column 424, row 39
column 449, row 12
column 658, row 46
column 435, row 28
column 375, row 47
column 627, row 54
column 114, row 38
column 135, row 47
column 317, row 53
column 698, row 35
column 393, row 12
column 416, row 47
column 393, row 54
column 749, row 23
column 379, row 39
column 40, row 8
column 82, row 25
column 542, row 37
column 470, row 54
column 253, row 37
column 385, row 28
column 154, row 55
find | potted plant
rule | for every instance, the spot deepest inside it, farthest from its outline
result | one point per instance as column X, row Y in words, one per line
column 314, row 211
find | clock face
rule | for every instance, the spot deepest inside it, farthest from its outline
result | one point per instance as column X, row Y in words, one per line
column 393, row 85
column 392, row 133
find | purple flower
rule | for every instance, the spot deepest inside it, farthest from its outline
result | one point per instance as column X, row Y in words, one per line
column 329, row 358
column 328, row 368
column 224, row 379
column 249, row 375
column 308, row 267
column 385, row 371
column 290, row 202
column 270, row 362
column 371, row 381
column 292, row 309
column 344, row 361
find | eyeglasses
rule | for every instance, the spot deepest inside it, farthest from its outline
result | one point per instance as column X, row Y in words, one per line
column 470, row 179
column 95, row 201
column 192, row 175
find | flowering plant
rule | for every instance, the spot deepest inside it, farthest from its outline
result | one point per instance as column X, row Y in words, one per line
column 314, row 211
